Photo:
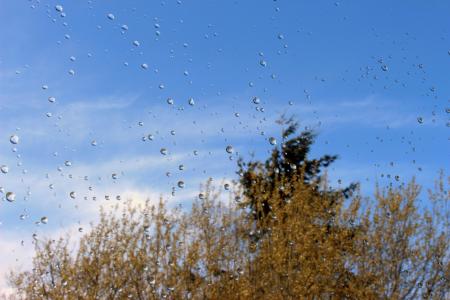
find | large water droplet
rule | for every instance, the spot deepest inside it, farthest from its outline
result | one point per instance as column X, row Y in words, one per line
column 10, row 196
column 4, row 169
column 14, row 139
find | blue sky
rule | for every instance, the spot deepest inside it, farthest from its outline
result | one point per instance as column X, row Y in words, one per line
column 360, row 73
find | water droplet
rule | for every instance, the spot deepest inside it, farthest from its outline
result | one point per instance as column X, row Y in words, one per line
column 4, row 169
column 71, row 72
column 72, row 58
column 201, row 196
column 114, row 176
column 94, row 143
column 170, row 101
column 10, row 196
column 144, row 66
column 59, row 8
column 163, row 151
column 110, row 16
column 73, row 195
column 229, row 149
column 14, row 139
column 51, row 99
column 191, row 102
column 150, row 137
column 124, row 27
column 45, row 87
column 67, row 163
column 263, row 63
column 384, row 68
column 181, row 184
column 420, row 120
column 256, row 100
column 136, row 43
column 44, row 220
column 226, row 186
column 181, row 167
column 272, row 141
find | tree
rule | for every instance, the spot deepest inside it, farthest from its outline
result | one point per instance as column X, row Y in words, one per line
column 263, row 182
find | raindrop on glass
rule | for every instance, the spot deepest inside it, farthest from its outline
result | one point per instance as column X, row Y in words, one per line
column 44, row 220
column 4, row 169
column 181, row 184
column 229, row 149
column 73, row 195
column 191, row 102
column 272, row 141
column 14, row 139
column 110, row 16
column 163, row 151
column 10, row 196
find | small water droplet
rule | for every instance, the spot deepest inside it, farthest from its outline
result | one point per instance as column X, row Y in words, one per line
column 44, row 220
column 67, row 163
column 181, row 184
column 124, row 27
column 170, row 101
column 144, row 66
column 136, row 43
column 226, row 186
column 263, row 63
column 191, row 102
column 229, row 149
column 114, row 176
column 73, row 195
column 201, row 196
column 71, row 72
column 256, row 100
column 110, row 16
column 59, row 8
column 420, row 120
column 384, row 68
column 272, row 141
column 51, row 99
column 163, row 151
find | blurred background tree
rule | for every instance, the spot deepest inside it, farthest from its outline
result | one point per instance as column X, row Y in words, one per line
column 318, row 243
